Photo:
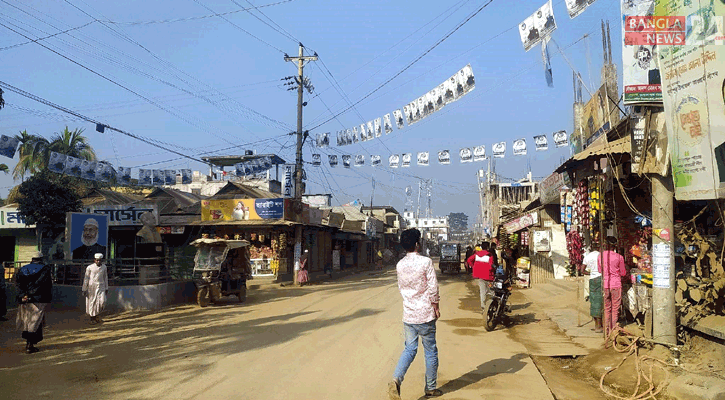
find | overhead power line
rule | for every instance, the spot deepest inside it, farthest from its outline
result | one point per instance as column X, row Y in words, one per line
column 438, row 43
column 46, row 37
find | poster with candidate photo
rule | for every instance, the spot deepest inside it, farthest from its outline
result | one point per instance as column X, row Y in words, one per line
column 363, row 133
column 444, row 157
column 479, row 153
column 466, row 79
column 332, row 158
column 423, row 159
column 86, row 235
column 466, row 155
column 56, row 163
column 316, row 160
column 346, row 160
column 158, row 176
column 519, row 147
column 408, row 115
column 144, row 177
column 407, row 159
column 450, row 89
column 421, row 107
column 499, row 150
column 339, row 139
column 387, row 124
column 8, row 146
column 185, row 176
column 88, row 170
column 541, row 142
column 72, row 166
column 371, row 130
column 539, row 25
column 378, row 127
column 430, row 101
column 394, row 161
column 375, row 160
column 440, row 100
column 576, row 7
column 124, row 176
column 398, row 115
column 359, row 160
column 561, row 139
column 414, row 114
column 170, row 177
column 104, row 172
column 355, row 134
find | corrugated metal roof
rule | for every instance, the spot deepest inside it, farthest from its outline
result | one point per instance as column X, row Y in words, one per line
column 172, row 200
column 619, row 146
column 234, row 190
column 109, row 197
column 258, row 223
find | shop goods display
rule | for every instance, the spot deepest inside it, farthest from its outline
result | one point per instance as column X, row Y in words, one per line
column 581, row 205
column 575, row 250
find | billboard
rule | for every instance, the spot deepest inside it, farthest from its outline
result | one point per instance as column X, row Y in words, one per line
column 694, row 99
column 641, row 72
column 242, row 209
column 86, row 235
column 595, row 120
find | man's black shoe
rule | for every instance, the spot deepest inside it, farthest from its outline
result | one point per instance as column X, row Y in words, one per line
column 433, row 393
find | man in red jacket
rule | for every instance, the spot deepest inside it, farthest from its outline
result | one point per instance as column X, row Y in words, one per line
column 483, row 269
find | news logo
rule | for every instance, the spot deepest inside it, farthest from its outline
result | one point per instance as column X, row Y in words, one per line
column 673, row 30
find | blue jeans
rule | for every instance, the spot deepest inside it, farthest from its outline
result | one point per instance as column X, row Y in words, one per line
column 427, row 333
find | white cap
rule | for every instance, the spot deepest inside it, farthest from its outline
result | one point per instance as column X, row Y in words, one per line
column 91, row 221
column 98, row 256
column 38, row 254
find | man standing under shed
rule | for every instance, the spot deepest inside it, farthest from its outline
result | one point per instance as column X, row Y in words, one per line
column 35, row 292
column 95, row 288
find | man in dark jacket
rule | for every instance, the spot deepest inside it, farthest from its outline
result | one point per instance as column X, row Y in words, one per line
column 35, row 292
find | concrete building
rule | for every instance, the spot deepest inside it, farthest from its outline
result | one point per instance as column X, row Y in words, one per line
column 435, row 229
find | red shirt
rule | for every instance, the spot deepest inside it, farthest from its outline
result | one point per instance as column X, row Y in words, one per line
column 482, row 263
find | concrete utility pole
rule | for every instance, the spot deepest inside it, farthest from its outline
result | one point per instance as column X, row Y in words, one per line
column 301, row 61
column 664, row 324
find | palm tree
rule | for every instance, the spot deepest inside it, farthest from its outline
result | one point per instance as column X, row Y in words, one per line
column 35, row 150
column 4, row 168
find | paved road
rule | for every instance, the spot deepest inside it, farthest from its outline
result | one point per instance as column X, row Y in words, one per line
column 334, row 340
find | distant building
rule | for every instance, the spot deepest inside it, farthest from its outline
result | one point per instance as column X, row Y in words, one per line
column 459, row 226
column 436, row 229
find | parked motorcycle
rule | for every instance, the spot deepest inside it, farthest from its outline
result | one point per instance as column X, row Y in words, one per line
column 496, row 305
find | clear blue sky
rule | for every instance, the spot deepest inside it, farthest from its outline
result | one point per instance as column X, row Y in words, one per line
column 237, row 96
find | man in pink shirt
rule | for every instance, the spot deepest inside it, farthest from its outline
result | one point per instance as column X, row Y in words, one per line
column 611, row 265
column 419, row 287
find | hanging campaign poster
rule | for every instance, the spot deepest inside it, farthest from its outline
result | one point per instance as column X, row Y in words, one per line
column 359, row 160
column 394, row 161
column 423, row 158
column 422, row 109
column 56, row 163
column 407, row 160
column 105, row 172
column 316, row 160
column 414, row 114
column 170, row 177
column 560, row 139
column 346, row 160
column 158, row 176
column 449, row 96
column 641, row 73
column 408, row 114
column 387, row 124
column 351, row 135
column 371, row 130
column 332, row 158
column 466, row 155
column 375, row 160
column 519, row 147
column 378, row 127
column 254, row 166
column 363, row 134
column 124, row 175
column 541, row 142
column 72, row 166
column 444, row 157
column 398, row 118
column 88, row 169
column 499, row 150
column 479, row 153
column 440, row 99
column 339, row 139
column 466, row 81
column 537, row 26
column 576, row 7
column 185, row 176
column 355, row 134
column 144, row 177
column 8, row 146
column 693, row 89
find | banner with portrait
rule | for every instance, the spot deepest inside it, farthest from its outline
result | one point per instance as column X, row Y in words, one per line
column 375, row 160
column 185, row 176
column 537, row 26
column 124, row 176
column 576, row 7
column 387, row 124
column 316, row 160
column 466, row 155
column 444, row 157
column 560, row 139
column 359, row 160
column 8, row 146
column 541, row 143
column 398, row 118
column 394, row 161
column 332, row 158
column 423, row 158
column 407, row 159
column 479, row 153
column 499, row 150
column 242, row 209
column 346, row 160
column 86, row 235
column 519, row 147
column 640, row 70
column 144, row 177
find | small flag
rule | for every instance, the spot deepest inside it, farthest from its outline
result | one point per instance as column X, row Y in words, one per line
column 346, row 158
column 407, row 159
column 398, row 118
column 479, row 153
column 444, row 157
column 542, row 144
column 560, row 139
column 499, row 150
column 394, row 161
column 185, row 176
column 332, row 158
column 387, row 124
column 8, row 146
column 423, row 158
column 519, row 147
column 359, row 160
column 316, row 160
column 466, row 155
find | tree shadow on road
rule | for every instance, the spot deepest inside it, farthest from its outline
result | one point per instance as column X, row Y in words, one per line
column 486, row 370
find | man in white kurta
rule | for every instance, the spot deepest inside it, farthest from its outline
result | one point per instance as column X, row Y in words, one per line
column 95, row 288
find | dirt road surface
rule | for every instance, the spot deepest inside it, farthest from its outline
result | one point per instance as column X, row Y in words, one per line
column 333, row 340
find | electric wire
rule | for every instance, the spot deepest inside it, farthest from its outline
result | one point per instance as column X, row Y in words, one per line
column 47, row 37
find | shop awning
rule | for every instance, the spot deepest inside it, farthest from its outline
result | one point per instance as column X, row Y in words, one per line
column 248, row 223
column 619, row 146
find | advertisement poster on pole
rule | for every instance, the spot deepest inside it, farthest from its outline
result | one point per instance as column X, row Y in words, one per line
column 289, row 183
column 693, row 89
column 641, row 72
column 86, row 235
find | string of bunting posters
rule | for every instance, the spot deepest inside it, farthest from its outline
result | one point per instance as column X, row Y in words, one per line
column 466, row 154
column 453, row 89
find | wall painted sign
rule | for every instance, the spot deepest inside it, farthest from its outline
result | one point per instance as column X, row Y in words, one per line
column 242, row 209
column 124, row 215
column 522, row 222
column 10, row 218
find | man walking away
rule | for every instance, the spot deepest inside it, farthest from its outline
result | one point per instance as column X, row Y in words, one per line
column 419, row 287
column 611, row 266
column 591, row 260
column 95, row 288
column 481, row 263
column 35, row 292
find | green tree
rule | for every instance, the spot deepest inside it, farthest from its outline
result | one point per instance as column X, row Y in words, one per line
column 4, row 168
column 34, row 150
column 30, row 154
